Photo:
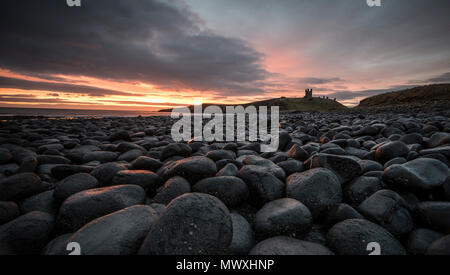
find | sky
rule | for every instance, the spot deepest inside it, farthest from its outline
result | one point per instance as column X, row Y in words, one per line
column 153, row 54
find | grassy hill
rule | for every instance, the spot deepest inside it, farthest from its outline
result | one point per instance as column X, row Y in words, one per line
column 421, row 94
column 291, row 105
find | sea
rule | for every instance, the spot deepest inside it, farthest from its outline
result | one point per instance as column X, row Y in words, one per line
column 74, row 113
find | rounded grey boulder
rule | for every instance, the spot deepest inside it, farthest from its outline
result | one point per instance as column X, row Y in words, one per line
column 192, row 224
column 74, row 184
column 282, row 245
column 232, row 191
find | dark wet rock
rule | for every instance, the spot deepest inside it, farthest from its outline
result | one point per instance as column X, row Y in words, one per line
column 8, row 211
column 74, row 184
column 284, row 140
column 271, row 167
column 222, row 163
column 27, row 234
column 362, row 188
column 217, row 155
column 420, row 239
column 193, row 169
column 422, row 173
column 370, row 165
column 253, row 147
column 434, row 215
column 291, row 166
column 439, row 157
column 48, row 159
column 130, row 155
column 438, row 139
column 55, row 246
column 120, row 135
column 28, row 164
column 101, row 156
column 158, row 207
column 175, row 149
column 243, row 239
column 282, row 245
column 319, row 189
column 131, row 226
column 340, row 213
column 85, row 206
column 9, row 169
column 413, row 138
column 173, row 188
column 231, row 191
column 317, row 234
column 444, row 150
column 389, row 210
column 145, row 179
column 229, row 170
column 394, row 161
column 5, row 157
column 391, row 150
column 106, row 172
column 43, row 202
column 146, row 163
column 351, row 237
column 440, row 247
column 283, row 217
column 263, row 185
column 346, row 168
column 63, row 171
column 20, row 186
column 124, row 147
column 298, row 153
column 192, row 224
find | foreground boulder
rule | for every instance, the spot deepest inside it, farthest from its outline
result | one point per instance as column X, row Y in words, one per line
column 173, row 188
column 74, row 184
column 263, row 185
column 283, row 245
column 391, row 150
column 20, row 186
column 351, row 237
column 145, row 179
column 83, row 207
column 319, row 189
column 283, row 217
column 389, row 210
column 193, row 169
column 131, row 225
column 422, row 173
column 345, row 168
column 192, row 224
column 243, row 238
column 27, row 234
column 230, row 190
column 420, row 239
column 435, row 215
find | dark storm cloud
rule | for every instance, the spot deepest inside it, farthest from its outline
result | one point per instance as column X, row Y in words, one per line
column 318, row 80
column 15, row 83
column 346, row 95
column 158, row 42
column 443, row 78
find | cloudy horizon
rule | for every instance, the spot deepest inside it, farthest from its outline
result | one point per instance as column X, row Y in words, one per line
column 152, row 54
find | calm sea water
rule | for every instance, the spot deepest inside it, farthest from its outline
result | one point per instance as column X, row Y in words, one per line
column 75, row 113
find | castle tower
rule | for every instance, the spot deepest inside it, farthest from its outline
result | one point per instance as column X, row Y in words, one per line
column 308, row 93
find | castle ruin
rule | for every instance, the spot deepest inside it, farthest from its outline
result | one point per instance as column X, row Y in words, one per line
column 308, row 93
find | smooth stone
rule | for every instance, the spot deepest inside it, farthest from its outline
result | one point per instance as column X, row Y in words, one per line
column 8, row 211
column 283, row 217
column 105, row 173
column 43, row 202
column 193, row 169
column 263, row 186
column 341, row 213
column 420, row 239
column 370, row 165
column 232, row 191
column 422, row 173
column 391, row 150
column 361, row 188
column 243, row 240
column 271, row 167
column 173, row 188
column 74, row 184
column 55, row 246
column 175, row 149
column 83, row 207
column 291, row 166
column 20, row 186
column 130, row 225
column 298, row 153
column 27, row 234
column 319, row 189
column 148, row 180
column 217, row 155
column 192, row 224
column 102, row 156
column 130, row 155
column 389, row 210
column 282, row 245
column 351, row 237
column 435, row 215
column 146, row 163
column 345, row 168
column 230, row 170
column 440, row 247
column 394, row 161
column 64, row 171
column 49, row 159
